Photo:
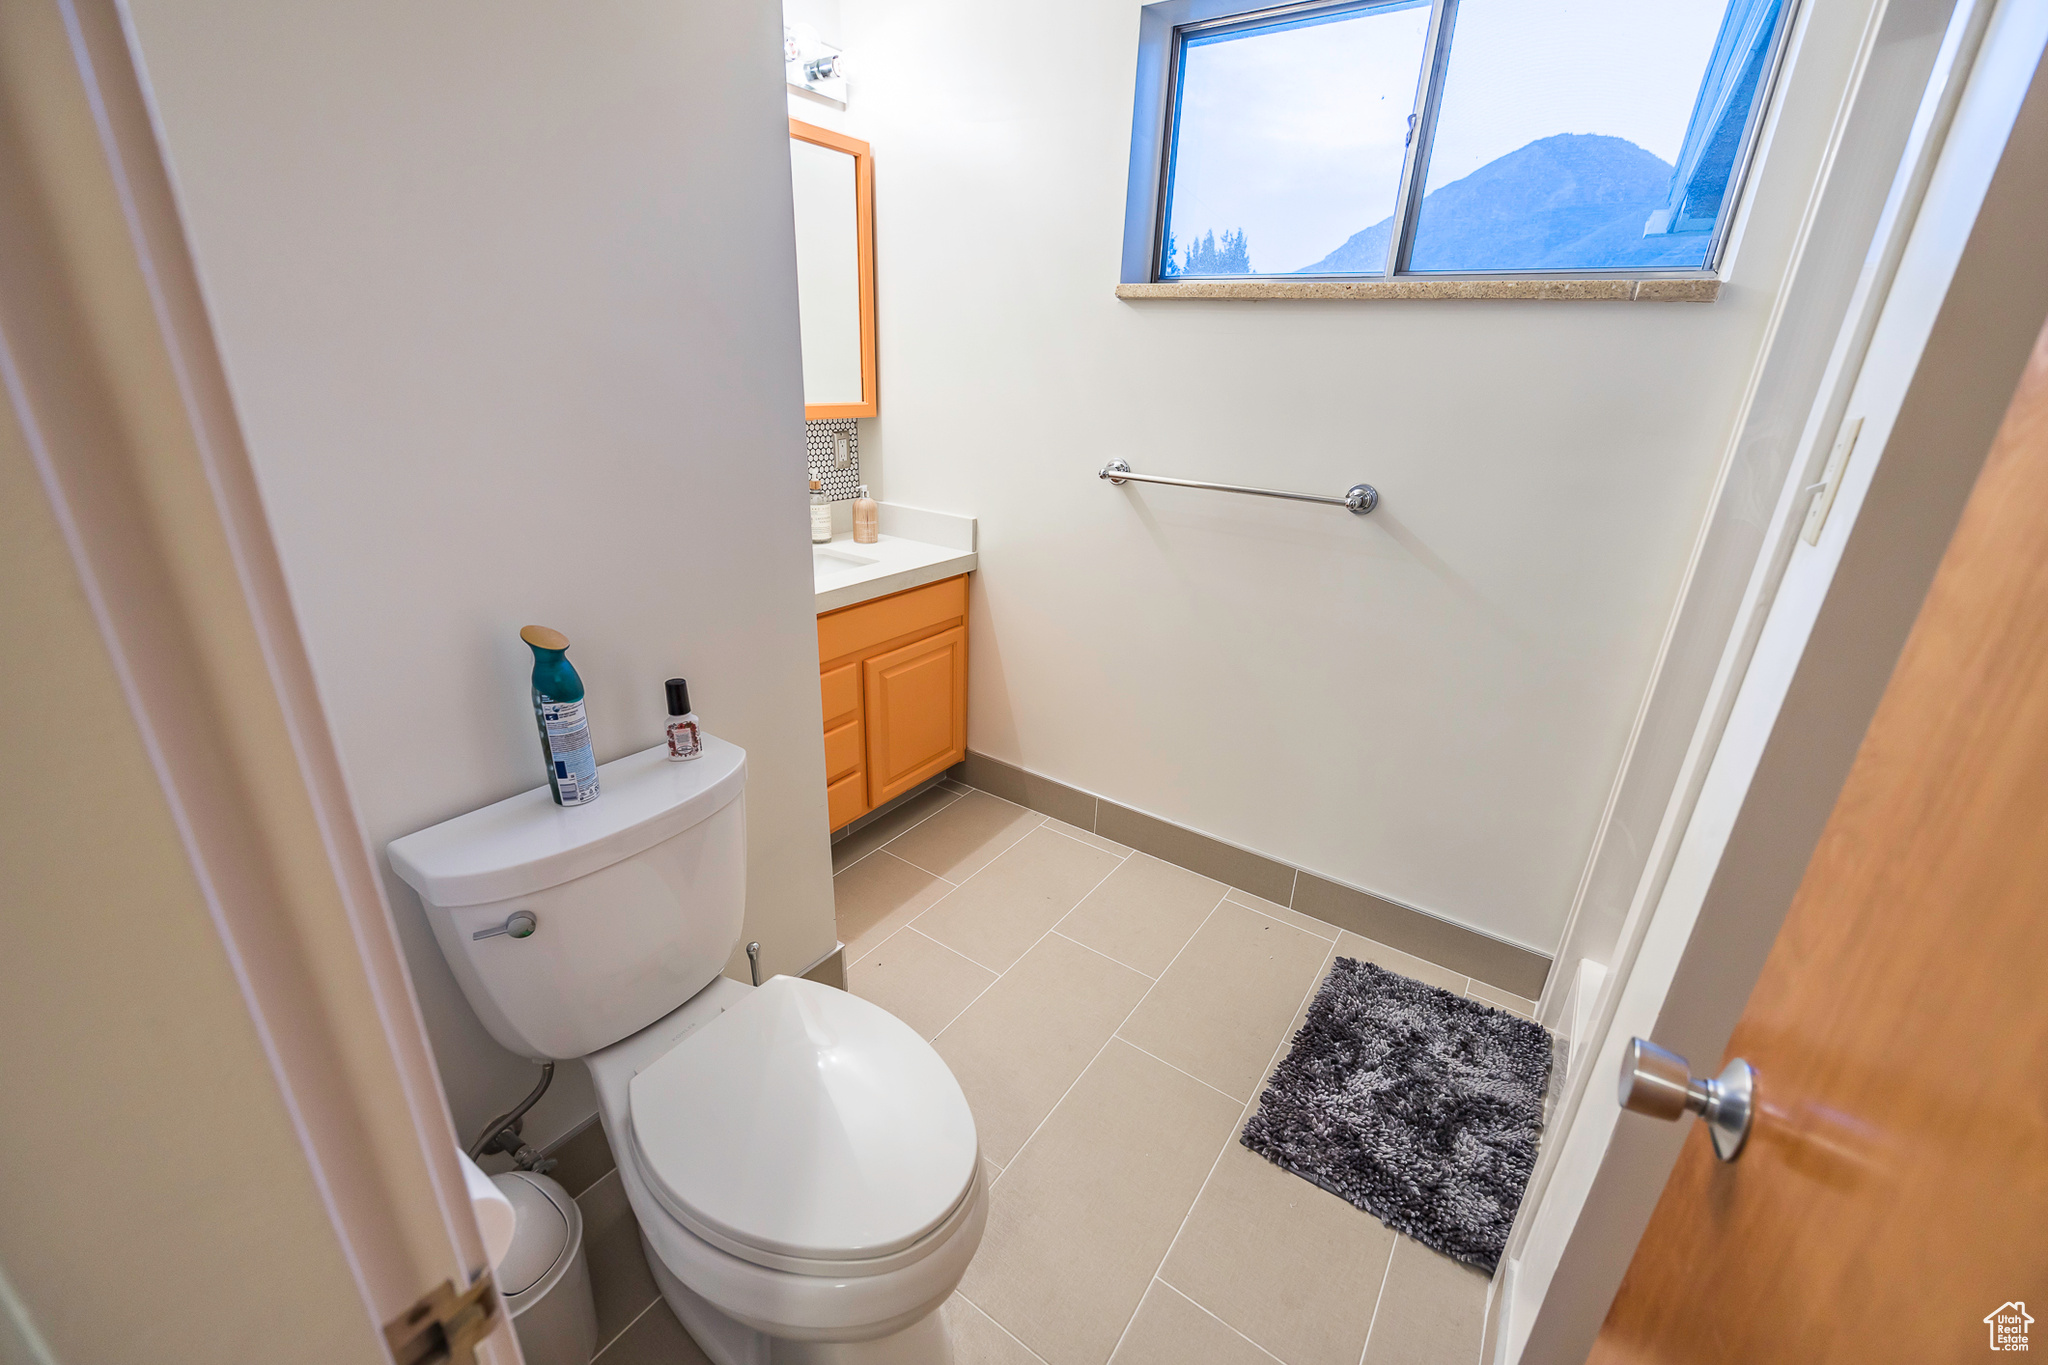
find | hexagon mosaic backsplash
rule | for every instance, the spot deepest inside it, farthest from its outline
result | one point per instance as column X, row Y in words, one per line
column 818, row 442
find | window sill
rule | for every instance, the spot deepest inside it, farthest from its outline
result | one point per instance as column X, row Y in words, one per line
column 1599, row 291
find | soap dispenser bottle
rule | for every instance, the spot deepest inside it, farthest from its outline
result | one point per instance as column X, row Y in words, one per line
column 821, row 514
column 867, row 517
column 558, row 711
column 685, row 738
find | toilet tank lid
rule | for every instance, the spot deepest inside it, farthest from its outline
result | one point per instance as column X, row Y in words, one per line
column 527, row 843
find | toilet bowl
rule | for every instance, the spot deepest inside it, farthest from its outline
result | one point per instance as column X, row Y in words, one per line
column 803, row 1167
column 804, row 1170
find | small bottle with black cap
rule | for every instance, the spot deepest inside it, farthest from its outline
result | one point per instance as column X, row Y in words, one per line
column 685, row 739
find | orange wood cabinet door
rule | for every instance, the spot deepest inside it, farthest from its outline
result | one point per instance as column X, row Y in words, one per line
column 846, row 782
column 916, row 704
column 846, row 799
column 839, row 694
column 857, row 631
column 842, row 751
column 1892, row 1201
column 895, row 648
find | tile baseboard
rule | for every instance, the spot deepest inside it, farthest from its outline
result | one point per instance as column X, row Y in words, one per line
column 829, row 970
column 1027, row 789
column 860, row 822
column 1227, row 863
column 1494, row 961
column 582, row 1158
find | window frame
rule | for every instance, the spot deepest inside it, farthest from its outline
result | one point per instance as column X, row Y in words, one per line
column 1155, row 126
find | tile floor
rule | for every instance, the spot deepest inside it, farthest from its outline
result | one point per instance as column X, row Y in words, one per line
column 1112, row 1019
column 634, row 1326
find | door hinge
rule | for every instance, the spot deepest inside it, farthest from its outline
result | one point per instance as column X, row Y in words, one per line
column 444, row 1327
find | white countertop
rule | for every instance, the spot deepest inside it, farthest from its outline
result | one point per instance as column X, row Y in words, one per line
column 847, row 572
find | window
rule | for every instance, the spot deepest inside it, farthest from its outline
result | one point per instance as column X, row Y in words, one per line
column 1443, row 137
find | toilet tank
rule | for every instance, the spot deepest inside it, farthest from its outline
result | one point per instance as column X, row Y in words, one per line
column 637, row 898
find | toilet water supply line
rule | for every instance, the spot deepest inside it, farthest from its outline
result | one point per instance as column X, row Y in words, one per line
column 502, row 1133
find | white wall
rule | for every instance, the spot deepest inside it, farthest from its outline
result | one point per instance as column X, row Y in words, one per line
column 1429, row 703
column 507, row 297
column 822, row 15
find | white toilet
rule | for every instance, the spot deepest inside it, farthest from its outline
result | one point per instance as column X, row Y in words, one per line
column 803, row 1166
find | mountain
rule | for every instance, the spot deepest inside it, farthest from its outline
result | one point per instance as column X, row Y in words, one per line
column 1572, row 201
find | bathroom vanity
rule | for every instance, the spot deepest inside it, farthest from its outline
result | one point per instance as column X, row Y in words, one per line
column 892, row 659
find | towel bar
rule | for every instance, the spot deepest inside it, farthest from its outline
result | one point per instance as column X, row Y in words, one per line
column 1360, row 497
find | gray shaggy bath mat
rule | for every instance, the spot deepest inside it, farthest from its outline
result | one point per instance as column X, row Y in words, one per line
column 1419, row 1106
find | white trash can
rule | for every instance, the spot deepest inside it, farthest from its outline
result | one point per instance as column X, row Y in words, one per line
column 544, row 1276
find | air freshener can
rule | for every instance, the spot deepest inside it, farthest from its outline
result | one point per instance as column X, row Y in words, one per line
column 558, row 711
column 572, row 764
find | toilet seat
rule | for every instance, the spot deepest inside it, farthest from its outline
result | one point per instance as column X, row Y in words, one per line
column 808, row 1131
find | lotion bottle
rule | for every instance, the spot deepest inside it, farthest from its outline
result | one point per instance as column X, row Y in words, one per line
column 558, row 711
column 685, row 738
column 866, row 517
column 821, row 514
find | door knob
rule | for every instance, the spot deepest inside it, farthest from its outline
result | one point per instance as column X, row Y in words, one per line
column 1660, row 1083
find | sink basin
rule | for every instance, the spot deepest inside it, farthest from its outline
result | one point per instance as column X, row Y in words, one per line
column 832, row 559
column 845, row 572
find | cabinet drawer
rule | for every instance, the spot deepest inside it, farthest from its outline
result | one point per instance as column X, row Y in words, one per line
column 840, row 689
column 915, row 710
column 856, row 630
column 846, row 799
column 842, row 751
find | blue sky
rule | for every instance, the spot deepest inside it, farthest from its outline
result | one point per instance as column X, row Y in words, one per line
column 1296, row 137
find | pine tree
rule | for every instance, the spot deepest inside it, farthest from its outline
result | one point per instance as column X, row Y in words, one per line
column 1236, row 256
column 1207, row 256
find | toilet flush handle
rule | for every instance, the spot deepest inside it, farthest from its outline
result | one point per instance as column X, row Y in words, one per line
column 518, row 924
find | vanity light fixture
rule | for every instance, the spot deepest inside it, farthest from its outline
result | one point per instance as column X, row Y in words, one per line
column 813, row 65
